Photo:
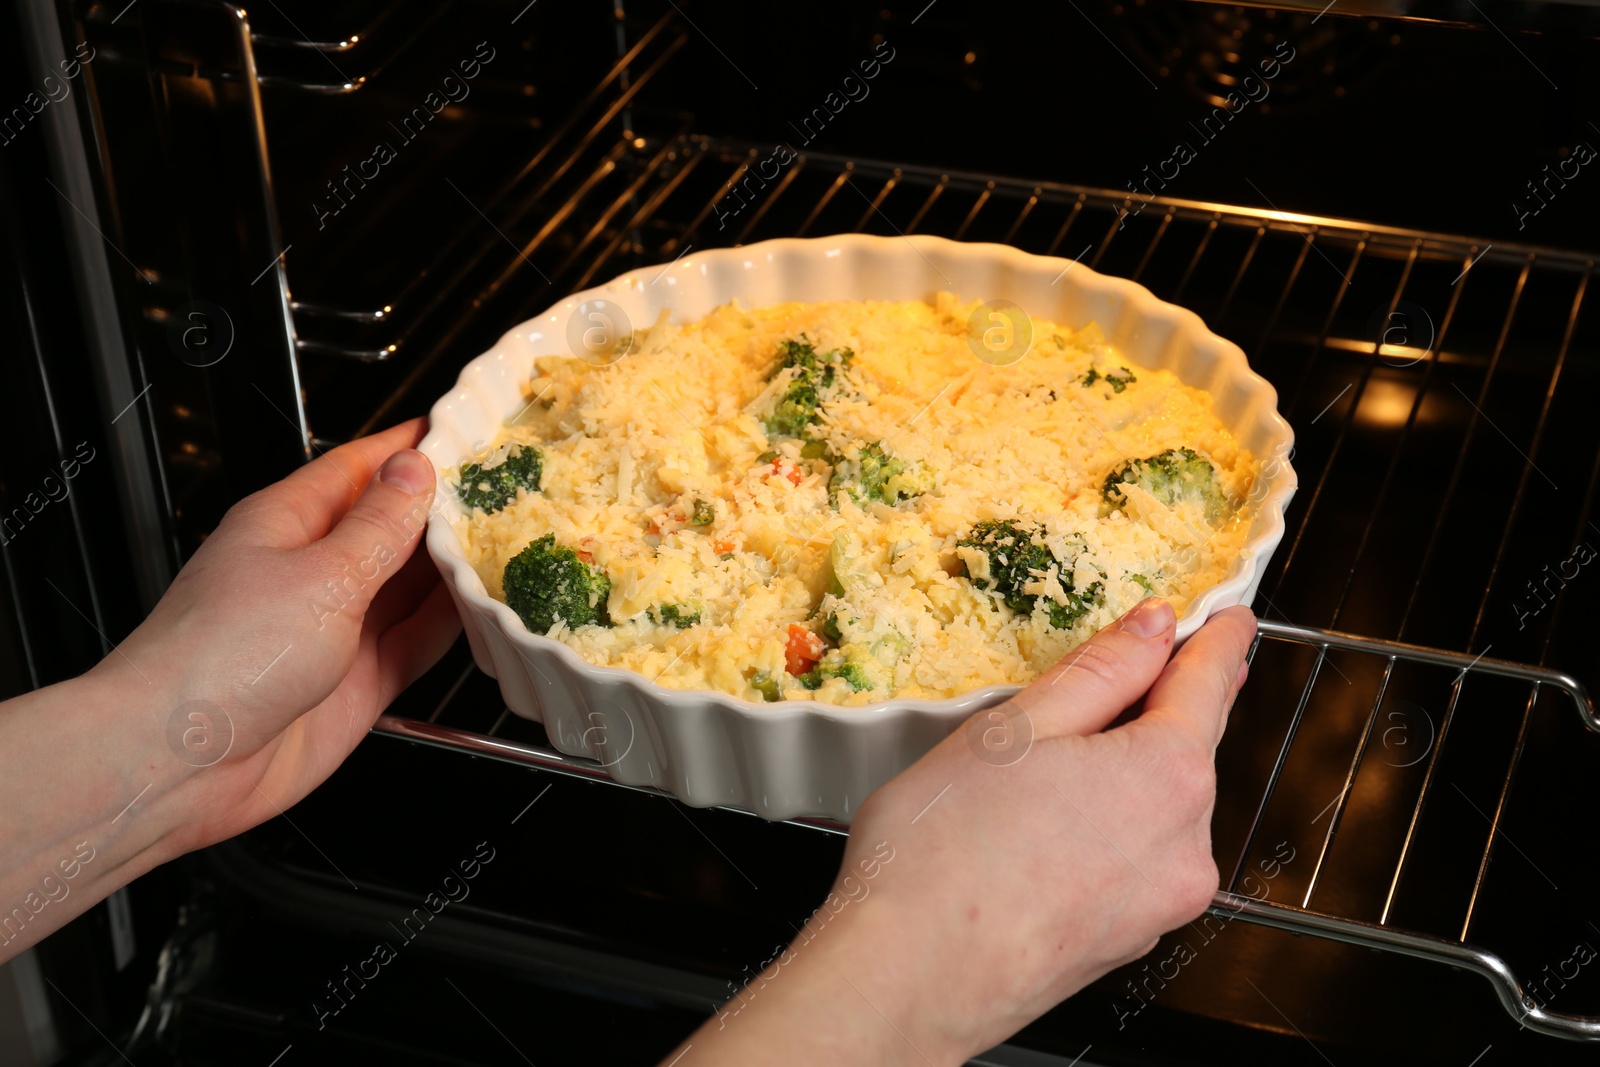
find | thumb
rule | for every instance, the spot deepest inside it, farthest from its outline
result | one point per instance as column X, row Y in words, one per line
column 1098, row 680
column 381, row 530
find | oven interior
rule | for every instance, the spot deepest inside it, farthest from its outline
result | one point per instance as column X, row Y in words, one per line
column 286, row 195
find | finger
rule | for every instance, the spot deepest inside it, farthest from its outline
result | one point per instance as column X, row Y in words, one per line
column 319, row 493
column 403, row 592
column 411, row 646
column 1197, row 687
column 1091, row 685
column 377, row 535
column 1227, row 711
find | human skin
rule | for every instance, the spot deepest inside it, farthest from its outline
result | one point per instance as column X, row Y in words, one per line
column 250, row 640
column 1009, row 887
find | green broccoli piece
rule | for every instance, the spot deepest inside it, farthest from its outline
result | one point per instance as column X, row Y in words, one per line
column 874, row 474
column 680, row 616
column 1143, row 582
column 1174, row 476
column 1015, row 551
column 1089, row 378
column 854, row 664
column 494, row 488
column 853, row 673
column 1077, row 606
column 1015, row 555
column 814, row 377
column 705, row 513
column 546, row 581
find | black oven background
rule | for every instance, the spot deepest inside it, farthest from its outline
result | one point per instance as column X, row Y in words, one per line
column 1418, row 126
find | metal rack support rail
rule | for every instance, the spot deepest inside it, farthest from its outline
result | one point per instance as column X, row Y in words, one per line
column 1227, row 904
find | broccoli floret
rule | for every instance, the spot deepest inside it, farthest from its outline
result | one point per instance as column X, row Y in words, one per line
column 681, row 616
column 704, row 514
column 814, row 376
column 876, row 475
column 546, row 581
column 854, row 664
column 853, row 673
column 1077, row 606
column 1015, row 554
column 1174, row 476
column 494, row 488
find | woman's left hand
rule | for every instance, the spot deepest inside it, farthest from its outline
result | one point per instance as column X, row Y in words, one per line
column 271, row 655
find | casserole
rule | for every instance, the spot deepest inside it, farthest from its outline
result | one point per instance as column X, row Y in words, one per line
column 801, row 757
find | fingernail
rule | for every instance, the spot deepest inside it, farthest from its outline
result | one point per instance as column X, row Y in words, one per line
column 408, row 470
column 1150, row 619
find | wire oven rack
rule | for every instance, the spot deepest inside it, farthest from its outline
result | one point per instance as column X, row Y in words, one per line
column 590, row 204
column 530, row 749
column 662, row 200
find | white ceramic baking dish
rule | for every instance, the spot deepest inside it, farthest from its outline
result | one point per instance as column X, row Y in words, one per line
column 794, row 758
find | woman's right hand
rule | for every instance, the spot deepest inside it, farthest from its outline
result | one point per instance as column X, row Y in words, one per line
column 1017, row 871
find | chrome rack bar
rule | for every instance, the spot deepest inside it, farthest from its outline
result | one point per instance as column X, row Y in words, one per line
column 1238, row 275
column 927, row 205
column 1439, row 658
column 1405, row 436
column 1529, row 467
column 1226, row 904
column 1200, row 250
column 1150, row 250
column 1466, row 445
column 1507, row 988
column 545, row 759
column 1022, row 216
column 972, row 214
column 1337, row 817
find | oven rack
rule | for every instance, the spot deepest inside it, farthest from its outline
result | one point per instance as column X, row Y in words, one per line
column 642, row 199
column 1180, row 248
column 591, row 204
column 529, row 747
column 638, row 183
